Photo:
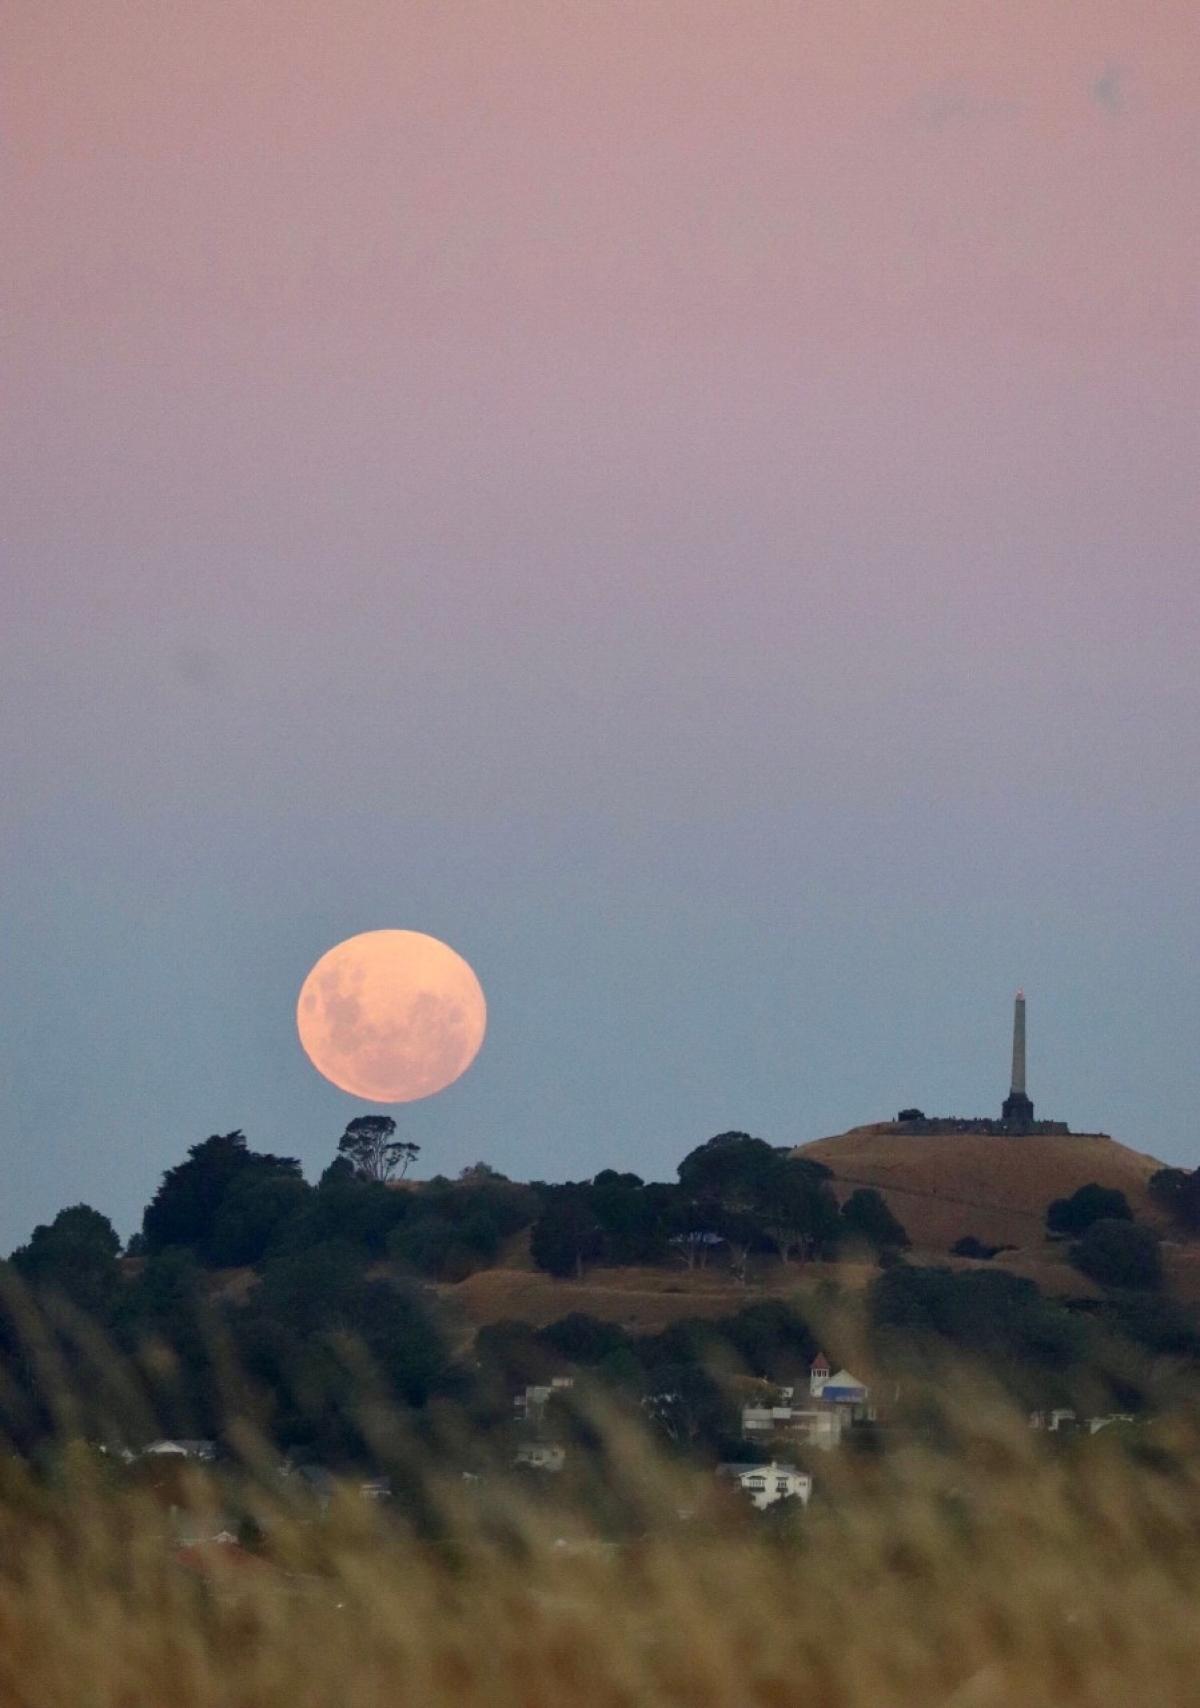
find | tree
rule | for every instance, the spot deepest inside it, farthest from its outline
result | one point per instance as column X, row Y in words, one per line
column 254, row 1209
column 770, row 1338
column 729, row 1180
column 913, row 1114
column 370, row 1144
column 583, row 1339
column 74, row 1255
column 796, row 1208
column 1177, row 1191
column 1088, row 1204
column 685, row 1404
column 566, row 1235
column 728, row 1169
column 1028, row 1342
column 632, row 1216
column 691, row 1230
column 970, row 1245
column 1118, row 1253
column 866, row 1213
column 184, row 1210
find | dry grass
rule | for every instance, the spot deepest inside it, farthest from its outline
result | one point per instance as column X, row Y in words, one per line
column 945, row 1185
column 990, row 1573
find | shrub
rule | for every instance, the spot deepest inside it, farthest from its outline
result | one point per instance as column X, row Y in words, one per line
column 1091, row 1203
column 969, row 1246
column 1119, row 1254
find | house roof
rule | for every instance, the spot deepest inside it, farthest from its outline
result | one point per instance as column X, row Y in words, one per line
column 737, row 1468
column 844, row 1379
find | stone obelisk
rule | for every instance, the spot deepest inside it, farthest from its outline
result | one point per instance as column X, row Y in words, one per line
column 1017, row 1109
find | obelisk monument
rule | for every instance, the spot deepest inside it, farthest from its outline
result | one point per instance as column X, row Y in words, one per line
column 1017, row 1109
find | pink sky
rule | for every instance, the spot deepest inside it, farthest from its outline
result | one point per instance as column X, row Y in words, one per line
column 751, row 426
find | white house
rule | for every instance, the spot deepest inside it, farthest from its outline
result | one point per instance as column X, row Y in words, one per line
column 203, row 1450
column 767, row 1484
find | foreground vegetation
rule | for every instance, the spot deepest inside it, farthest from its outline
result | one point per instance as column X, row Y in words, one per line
column 979, row 1570
column 362, row 1534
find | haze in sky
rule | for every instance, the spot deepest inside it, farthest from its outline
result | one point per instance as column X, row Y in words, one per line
column 693, row 503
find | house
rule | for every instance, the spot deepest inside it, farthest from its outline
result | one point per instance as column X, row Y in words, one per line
column 841, row 1389
column 767, row 1484
column 817, row 1415
column 541, row 1455
column 816, row 1425
column 202, row 1450
column 1063, row 1419
column 529, row 1407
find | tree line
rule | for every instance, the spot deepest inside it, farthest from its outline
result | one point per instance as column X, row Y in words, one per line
column 248, row 1285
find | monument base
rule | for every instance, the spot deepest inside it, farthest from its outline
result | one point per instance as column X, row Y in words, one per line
column 1017, row 1113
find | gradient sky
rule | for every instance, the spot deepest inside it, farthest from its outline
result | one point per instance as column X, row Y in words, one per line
column 693, row 502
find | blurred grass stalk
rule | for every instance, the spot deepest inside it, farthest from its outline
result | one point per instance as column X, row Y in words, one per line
column 971, row 1565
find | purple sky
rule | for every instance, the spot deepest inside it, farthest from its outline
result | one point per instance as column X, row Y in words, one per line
column 693, row 503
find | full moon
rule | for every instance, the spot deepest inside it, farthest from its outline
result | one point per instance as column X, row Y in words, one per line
column 391, row 1016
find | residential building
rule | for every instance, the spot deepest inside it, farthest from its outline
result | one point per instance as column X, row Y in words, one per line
column 767, row 1484
column 203, row 1450
column 529, row 1407
column 815, row 1425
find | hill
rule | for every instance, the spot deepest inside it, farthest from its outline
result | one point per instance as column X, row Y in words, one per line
column 943, row 1186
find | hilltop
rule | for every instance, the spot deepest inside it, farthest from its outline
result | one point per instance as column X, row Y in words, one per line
column 943, row 1186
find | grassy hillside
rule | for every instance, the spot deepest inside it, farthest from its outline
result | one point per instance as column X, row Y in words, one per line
column 946, row 1185
column 639, row 1300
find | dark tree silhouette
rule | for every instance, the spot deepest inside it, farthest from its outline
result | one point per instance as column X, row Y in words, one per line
column 74, row 1255
column 371, row 1146
column 866, row 1213
column 1120, row 1254
column 566, row 1235
column 1090, row 1203
column 184, row 1210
